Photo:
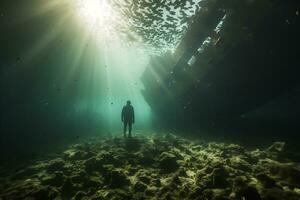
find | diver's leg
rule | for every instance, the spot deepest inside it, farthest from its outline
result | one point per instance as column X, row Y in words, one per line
column 125, row 127
column 130, row 127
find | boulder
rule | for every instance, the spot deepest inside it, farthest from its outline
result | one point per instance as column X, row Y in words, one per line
column 167, row 162
column 251, row 193
column 96, row 163
column 57, row 179
column 56, row 165
column 139, row 187
column 68, row 188
column 219, row 177
column 79, row 195
column 266, row 180
column 118, row 179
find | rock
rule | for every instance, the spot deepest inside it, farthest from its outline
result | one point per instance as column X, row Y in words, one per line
column 139, row 187
column 56, row 180
column 56, row 165
column 40, row 193
column 144, row 179
column 176, row 180
column 251, row 193
column 196, row 193
column 93, row 164
column 156, row 169
column 267, row 181
column 274, row 194
column 286, row 172
column 146, row 158
column 218, row 194
column 241, row 189
column 79, row 177
column 29, row 171
column 238, row 163
column 118, row 179
column 68, row 189
column 277, row 147
column 167, row 162
column 53, row 193
column 79, row 195
column 96, row 163
column 156, row 182
column 182, row 172
column 132, row 144
column 106, row 173
column 219, row 176
column 117, row 194
column 94, row 181
column 151, row 191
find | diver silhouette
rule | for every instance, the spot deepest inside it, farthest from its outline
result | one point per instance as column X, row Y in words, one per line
column 127, row 117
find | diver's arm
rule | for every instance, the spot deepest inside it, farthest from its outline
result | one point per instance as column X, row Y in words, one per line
column 122, row 115
column 133, row 118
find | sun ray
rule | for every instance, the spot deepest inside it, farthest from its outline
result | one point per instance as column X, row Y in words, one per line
column 46, row 39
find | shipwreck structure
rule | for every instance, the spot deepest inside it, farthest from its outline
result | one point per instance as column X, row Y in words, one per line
column 235, row 56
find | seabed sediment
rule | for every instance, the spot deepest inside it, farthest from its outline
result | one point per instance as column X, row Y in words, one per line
column 158, row 167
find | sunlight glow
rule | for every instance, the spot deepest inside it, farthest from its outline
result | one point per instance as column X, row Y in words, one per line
column 95, row 13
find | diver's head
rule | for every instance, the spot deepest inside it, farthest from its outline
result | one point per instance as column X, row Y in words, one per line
column 128, row 102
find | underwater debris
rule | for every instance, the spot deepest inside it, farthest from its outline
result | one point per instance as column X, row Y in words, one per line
column 162, row 167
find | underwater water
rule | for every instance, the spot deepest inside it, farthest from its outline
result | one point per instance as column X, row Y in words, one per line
column 214, row 93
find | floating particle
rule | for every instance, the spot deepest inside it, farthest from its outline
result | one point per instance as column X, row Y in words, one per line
column 244, row 28
column 45, row 103
column 18, row 59
column 288, row 22
column 111, row 103
column 297, row 12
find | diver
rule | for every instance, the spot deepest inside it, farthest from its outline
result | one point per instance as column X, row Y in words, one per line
column 127, row 118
